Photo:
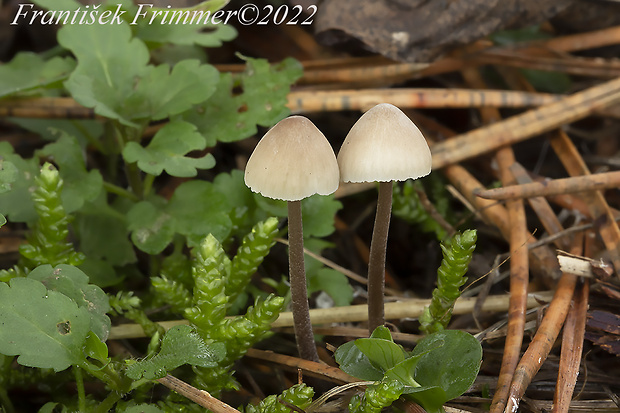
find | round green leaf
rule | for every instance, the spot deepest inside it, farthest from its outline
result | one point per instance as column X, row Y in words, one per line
column 46, row 329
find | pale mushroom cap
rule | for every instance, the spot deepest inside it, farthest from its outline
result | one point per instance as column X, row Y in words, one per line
column 293, row 161
column 384, row 145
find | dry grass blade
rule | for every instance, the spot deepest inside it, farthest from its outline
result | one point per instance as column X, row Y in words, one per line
column 549, row 187
column 526, row 125
column 572, row 347
column 336, row 100
column 199, row 397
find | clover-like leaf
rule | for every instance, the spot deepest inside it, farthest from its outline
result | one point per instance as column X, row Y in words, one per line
column 109, row 62
column 168, row 149
column 162, row 93
column 256, row 97
column 73, row 283
column 180, row 345
column 186, row 27
column 28, row 72
column 80, row 185
column 46, row 329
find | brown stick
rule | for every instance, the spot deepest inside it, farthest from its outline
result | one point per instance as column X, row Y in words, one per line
column 549, row 187
column 572, row 347
column 599, row 209
column 200, row 397
column 519, row 264
column 526, row 125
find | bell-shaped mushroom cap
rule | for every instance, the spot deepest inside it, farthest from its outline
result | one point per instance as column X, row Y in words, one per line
column 293, row 161
column 384, row 145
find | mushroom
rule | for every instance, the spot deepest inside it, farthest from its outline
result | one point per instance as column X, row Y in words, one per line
column 383, row 146
column 291, row 162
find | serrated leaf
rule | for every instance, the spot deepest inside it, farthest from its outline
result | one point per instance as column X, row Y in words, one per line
column 142, row 408
column 229, row 115
column 27, row 73
column 181, row 345
column 334, row 283
column 73, row 283
column 167, row 151
column 80, row 185
column 46, row 329
column 109, row 62
column 17, row 203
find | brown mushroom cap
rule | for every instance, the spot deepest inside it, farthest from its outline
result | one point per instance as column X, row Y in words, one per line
column 384, row 145
column 293, row 161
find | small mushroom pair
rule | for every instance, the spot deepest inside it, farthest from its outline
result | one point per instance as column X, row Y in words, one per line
column 294, row 160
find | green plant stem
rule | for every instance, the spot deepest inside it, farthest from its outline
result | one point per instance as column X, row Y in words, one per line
column 109, row 402
column 5, row 401
column 376, row 261
column 135, row 180
column 115, row 189
column 148, row 184
column 299, row 295
column 79, row 384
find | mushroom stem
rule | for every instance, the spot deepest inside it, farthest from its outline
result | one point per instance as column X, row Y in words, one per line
column 299, row 295
column 376, row 262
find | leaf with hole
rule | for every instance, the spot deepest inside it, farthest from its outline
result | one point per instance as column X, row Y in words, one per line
column 45, row 329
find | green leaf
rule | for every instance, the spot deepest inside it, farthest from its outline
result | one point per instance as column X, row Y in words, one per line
column 96, row 349
column 109, row 62
column 452, row 366
column 46, row 329
column 404, row 371
column 73, row 283
column 199, row 210
column 8, row 175
column 17, row 203
column 334, row 283
column 383, row 354
column 27, row 73
column 352, row 361
column 181, row 345
column 195, row 210
column 143, row 408
column 85, row 130
column 184, row 30
column 162, row 93
column 152, row 228
column 103, row 233
column 318, row 212
column 80, row 185
column 167, row 151
column 256, row 97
